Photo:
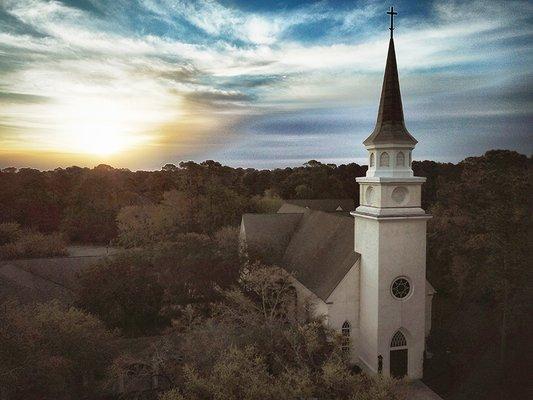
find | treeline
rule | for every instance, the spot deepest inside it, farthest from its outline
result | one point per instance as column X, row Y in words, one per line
column 83, row 203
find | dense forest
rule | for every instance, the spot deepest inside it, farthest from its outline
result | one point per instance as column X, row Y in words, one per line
column 183, row 278
column 83, row 203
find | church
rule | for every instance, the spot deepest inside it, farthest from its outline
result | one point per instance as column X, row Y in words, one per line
column 364, row 271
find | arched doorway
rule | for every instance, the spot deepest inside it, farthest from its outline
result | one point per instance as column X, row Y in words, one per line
column 398, row 355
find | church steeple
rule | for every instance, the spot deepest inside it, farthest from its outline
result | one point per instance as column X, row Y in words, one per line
column 390, row 236
column 390, row 144
column 390, row 125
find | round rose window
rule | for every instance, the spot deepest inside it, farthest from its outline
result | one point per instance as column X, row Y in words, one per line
column 400, row 288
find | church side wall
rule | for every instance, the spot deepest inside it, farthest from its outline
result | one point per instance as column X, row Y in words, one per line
column 343, row 305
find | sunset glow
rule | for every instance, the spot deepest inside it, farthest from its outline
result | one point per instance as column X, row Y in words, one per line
column 99, row 128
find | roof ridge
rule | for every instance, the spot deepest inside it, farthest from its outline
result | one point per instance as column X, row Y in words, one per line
column 273, row 213
column 341, row 215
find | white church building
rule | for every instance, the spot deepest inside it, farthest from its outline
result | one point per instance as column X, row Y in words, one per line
column 364, row 271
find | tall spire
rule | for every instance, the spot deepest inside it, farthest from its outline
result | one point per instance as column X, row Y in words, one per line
column 390, row 126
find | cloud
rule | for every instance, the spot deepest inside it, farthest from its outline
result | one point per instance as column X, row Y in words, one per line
column 181, row 72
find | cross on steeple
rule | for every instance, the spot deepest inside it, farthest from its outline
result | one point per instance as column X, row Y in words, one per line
column 392, row 14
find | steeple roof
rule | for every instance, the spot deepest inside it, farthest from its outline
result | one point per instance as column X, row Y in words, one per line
column 390, row 126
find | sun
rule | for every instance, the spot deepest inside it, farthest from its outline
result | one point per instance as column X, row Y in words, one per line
column 101, row 139
column 99, row 127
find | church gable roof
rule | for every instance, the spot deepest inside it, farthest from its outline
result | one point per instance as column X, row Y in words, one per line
column 321, row 251
column 268, row 235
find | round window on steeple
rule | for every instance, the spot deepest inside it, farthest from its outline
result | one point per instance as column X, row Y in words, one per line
column 399, row 194
column 401, row 288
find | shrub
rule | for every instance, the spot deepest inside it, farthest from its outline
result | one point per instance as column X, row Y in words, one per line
column 9, row 232
column 33, row 245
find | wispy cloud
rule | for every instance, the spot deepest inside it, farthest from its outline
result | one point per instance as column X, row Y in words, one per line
column 168, row 78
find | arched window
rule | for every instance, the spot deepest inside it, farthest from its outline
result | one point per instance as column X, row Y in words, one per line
column 346, row 336
column 400, row 159
column 384, row 159
column 398, row 340
column 371, row 159
column 410, row 159
column 346, row 329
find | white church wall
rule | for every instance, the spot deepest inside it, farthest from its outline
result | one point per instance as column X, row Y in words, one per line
column 403, row 254
column 367, row 244
column 343, row 305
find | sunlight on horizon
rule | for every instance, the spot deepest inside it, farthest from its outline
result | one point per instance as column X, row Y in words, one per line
column 99, row 127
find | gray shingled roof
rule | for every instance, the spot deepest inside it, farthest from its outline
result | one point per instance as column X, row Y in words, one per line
column 268, row 235
column 43, row 279
column 321, row 251
column 328, row 205
column 317, row 247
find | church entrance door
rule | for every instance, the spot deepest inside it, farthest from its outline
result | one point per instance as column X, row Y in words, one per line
column 398, row 363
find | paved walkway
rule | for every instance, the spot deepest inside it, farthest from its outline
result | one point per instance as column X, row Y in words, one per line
column 91, row 251
column 419, row 391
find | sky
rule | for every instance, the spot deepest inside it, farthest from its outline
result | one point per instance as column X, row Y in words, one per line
column 254, row 83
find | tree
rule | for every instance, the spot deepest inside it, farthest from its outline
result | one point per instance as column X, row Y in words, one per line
column 479, row 254
column 148, row 224
column 141, row 290
column 125, row 293
column 251, row 348
column 220, row 207
column 93, row 202
column 193, row 266
column 169, row 168
column 52, row 351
